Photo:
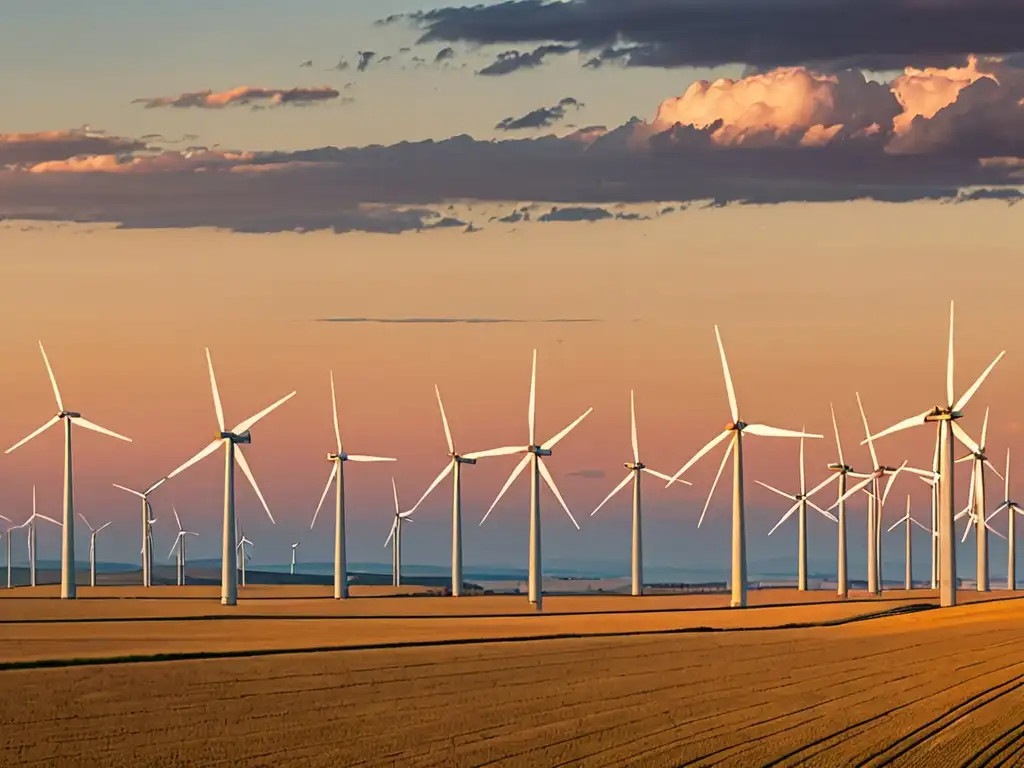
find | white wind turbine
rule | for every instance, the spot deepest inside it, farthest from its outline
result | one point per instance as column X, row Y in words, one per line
column 802, row 501
column 8, row 534
column 232, row 442
column 908, row 580
column 454, row 465
column 291, row 570
column 974, row 510
column 93, row 533
column 538, row 470
column 338, row 460
column 946, row 415
column 244, row 556
column 179, row 545
column 395, row 539
column 979, row 461
column 147, row 531
column 1011, row 507
column 735, row 430
column 67, row 558
column 30, row 537
column 842, row 471
column 636, row 468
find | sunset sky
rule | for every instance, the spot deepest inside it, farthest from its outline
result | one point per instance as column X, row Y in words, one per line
column 172, row 177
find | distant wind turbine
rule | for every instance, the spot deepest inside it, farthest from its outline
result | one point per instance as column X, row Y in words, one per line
column 908, row 582
column 842, row 471
column 244, row 556
column 232, row 442
column 292, row 568
column 454, row 465
column 946, row 415
column 395, row 536
column 1011, row 507
column 93, row 532
column 973, row 510
column 8, row 536
column 338, row 460
column 30, row 525
column 636, row 468
column 734, row 431
column 803, row 500
column 179, row 545
column 538, row 470
column 979, row 462
column 67, row 558
column 147, row 531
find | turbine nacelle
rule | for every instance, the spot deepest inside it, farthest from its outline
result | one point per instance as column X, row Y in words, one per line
column 69, row 415
column 462, row 459
column 939, row 413
column 735, row 426
column 843, row 468
column 242, row 439
column 538, row 451
column 635, row 465
column 337, row 456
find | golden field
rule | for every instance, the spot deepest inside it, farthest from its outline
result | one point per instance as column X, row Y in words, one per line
column 415, row 680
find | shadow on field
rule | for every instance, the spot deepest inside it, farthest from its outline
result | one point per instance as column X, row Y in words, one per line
column 201, row 655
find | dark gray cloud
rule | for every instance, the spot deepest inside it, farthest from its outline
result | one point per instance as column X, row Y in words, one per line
column 45, row 146
column 456, row 320
column 542, row 117
column 508, row 62
column 588, row 474
column 365, row 59
column 1009, row 196
column 341, row 66
column 879, row 34
column 306, row 63
column 445, row 54
column 576, row 214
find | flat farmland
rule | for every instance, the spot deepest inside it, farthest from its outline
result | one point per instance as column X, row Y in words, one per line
column 627, row 684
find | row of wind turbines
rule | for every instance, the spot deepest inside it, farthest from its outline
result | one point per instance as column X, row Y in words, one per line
column 533, row 455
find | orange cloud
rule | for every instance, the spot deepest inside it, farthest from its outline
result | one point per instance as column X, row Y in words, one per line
column 244, row 95
column 21, row 148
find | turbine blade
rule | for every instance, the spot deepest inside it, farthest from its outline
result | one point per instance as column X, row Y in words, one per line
column 922, row 473
column 437, row 481
column 993, row 469
column 177, row 519
column 195, row 459
column 244, row 464
column 828, row 480
column 721, row 467
column 53, row 379
column 133, row 492
column 892, row 478
column 507, row 451
column 700, row 454
column 785, row 517
column 995, row 532
column 867, row 434
column 174, row 545
column 394, row 524
column 38, row 432
column 632, row 419
column 104, row 526
column 394, row 490
column 369, row 459
column 533, row 400
column 907, row 423
column 949, row 359
column 789, row 496
column 49, row 520
column 664, row 477
column 617, row 488
column 334, row 414
column 824, row 512
column 896, row 524
column 855, row 489
column 967, row 529
column 803, row 477
column 330, row 479
column 1006, row 480
column 245, row 425
column 97, row 428
column 511, row 479
column 964, row 438
column 557, row 438
column 155, row 485
column 920, row 525
column 85, row 521
column 966, row 396
column 216, row 393
column 835, row 428
column 444, row 420
column 763, row 430
column 554, row 489
column 984, row 430
column 730, row 391
column 997, row 510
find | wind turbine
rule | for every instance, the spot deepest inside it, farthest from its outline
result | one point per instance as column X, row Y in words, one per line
column 291, row 570
column 636, row 468
column 946, row 416
column 979, row 461
column 973, row 510
column 908, row 582
column 93, row 532
column 842, row 471
column 232, row 442
column 803, row 501
column 338, row 460
column 245, row 556
column 538, row 469
column 8, row 532
column 179, row 544
column 147, row 532
column 30, row 525
column 67, row 557
column 454, row 465
column 735, row 430
column 1010, row 506
column 396, row 536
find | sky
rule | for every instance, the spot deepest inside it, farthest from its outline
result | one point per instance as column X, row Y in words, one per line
column 597, row 177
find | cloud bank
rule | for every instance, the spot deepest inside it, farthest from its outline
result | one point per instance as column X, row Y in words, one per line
column 787, row 135
column 244, row 95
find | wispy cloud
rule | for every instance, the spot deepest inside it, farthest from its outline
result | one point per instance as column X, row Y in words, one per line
column 456, row 320
column 587, row 474
column 542, row 117
column 243, row 95
column 508, row 62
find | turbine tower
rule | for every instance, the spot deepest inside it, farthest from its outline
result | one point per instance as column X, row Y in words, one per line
column 908, row 579
column 67, row 557
column 735, row 430
column 538, row 469
column 636, row 468
column 842, row 472
column 974, row 510
column 291, row 570
column 946, row 416
column 338, row 460
column 1008, row 504
column 30, row 537
column 396, row 536
column 8, row 532
column 147, row 532
column 179, row 545
column 979, row 461
column 454, row 467
column 803, row 501
column 232, row 442
column 93, row 532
